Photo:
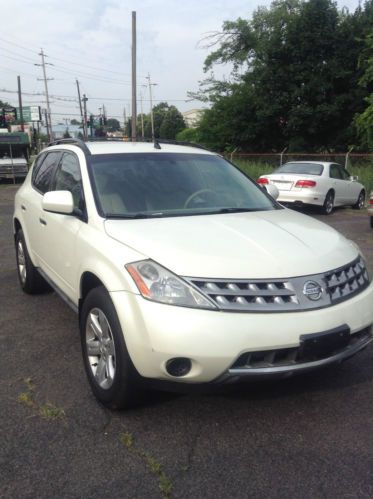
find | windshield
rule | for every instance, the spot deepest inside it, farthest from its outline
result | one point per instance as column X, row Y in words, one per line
column 302, row 168
column 172, row 184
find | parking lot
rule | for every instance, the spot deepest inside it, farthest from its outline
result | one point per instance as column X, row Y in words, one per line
column 308, row 436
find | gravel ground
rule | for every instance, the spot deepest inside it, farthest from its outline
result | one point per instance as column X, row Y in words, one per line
column 309, row 436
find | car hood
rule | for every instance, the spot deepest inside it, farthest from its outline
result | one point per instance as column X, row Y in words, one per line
column 265, row 244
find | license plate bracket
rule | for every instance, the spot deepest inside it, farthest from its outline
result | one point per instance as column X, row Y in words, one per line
column 324, row 344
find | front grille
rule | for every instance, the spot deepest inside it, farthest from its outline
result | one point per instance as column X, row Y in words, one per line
column 292, row 356
column 284, row 295
column 346, row 281
column 254, row 295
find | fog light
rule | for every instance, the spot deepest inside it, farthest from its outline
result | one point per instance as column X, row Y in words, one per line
column 179, row 366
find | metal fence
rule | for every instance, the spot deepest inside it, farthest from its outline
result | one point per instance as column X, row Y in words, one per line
column 273, row 159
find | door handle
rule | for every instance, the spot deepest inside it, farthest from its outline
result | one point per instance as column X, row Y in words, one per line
column 42, row 221
column 23, row 207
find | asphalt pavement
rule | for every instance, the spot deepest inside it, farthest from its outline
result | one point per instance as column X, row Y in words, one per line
column 308, row 436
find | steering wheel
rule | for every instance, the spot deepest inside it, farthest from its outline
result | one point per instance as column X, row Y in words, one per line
column 197, row 193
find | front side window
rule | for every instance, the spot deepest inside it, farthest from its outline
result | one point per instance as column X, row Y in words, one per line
column 335, row 172
column 172, row 184
column 68, row 178
column 344, row 173
column 44, row 171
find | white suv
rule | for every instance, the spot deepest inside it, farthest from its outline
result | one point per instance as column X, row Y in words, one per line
column 183, row 269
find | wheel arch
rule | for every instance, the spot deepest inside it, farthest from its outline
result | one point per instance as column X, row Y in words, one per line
column 16, row 226
column 88, row 281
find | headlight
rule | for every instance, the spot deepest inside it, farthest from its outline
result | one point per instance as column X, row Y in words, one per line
column 158, row 284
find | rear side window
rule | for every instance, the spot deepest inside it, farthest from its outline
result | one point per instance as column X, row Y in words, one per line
column 44, row 171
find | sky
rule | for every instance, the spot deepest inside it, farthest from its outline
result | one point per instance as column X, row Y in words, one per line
column 90, row 40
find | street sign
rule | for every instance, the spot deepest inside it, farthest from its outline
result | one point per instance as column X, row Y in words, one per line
column 30, row 113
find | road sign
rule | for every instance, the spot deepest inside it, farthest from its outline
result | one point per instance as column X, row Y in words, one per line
column 30, row 113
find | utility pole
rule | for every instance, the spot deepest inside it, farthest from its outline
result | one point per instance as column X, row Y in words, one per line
column 85, row 126
column 48, row 120
column 81, row 112
column 151, row 104
column 134, row 110
column 20, row 103
column 142, row 115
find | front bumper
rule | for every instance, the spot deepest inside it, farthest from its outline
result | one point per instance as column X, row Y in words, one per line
column 156, row 333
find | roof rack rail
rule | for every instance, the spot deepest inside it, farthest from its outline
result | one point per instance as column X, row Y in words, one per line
column 157, row 142
column 181, row 143
column 74, row 142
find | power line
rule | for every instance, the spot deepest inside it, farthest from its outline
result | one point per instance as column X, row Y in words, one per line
column 95, row 68
column 59, row 97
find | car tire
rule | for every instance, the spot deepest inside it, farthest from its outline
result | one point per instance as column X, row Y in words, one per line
column 360, row 203
column 113, row 378
column 371, row 222
column 29, row 278
column 328, row 205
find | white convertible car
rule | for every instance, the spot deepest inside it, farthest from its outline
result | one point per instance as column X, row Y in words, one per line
column 316, row 183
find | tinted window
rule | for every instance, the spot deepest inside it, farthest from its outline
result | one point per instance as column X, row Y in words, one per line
column 170, row 184
column 68, row 178
column 44, row 172
column 335, row 172
column 37, row 165
column 302, row 168
column 344, row 173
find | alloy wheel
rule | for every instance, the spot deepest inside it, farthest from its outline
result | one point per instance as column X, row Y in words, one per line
column 21, row 260
column 329, row 203
column 100, row 348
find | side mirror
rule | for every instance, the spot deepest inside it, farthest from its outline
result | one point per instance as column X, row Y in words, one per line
column 272, row 191
column 58, row 202
column 354, row 178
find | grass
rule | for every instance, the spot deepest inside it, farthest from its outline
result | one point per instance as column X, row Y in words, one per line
column 164, row 483
column 46, row 411
column 255, row 168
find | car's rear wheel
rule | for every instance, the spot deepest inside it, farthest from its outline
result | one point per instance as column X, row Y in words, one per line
column 328, row 205
column 30, row 280
column 360, row 203
column 111, row 374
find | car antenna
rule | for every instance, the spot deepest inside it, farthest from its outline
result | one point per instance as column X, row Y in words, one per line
column 156, row 144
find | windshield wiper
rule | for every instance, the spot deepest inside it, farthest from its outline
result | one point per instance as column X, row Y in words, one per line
column 128, row 215
column 236, row 210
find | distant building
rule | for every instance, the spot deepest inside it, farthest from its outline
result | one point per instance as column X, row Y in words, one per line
column 192, row 117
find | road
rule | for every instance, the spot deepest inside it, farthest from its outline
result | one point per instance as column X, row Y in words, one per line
column 309, row 436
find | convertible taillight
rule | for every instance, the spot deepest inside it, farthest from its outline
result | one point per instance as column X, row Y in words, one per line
column 305, row 183
column 262, row 180
column 371, row 201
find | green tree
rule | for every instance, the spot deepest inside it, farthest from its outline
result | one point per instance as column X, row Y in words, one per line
column 66, row 134
column 172, row 124
column 364, row 120
column 188, row 135
column 294, row 79
column 75, row 122
column 112, row 125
